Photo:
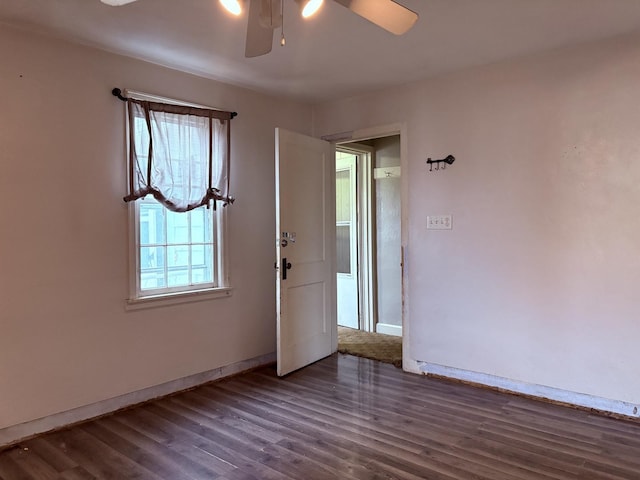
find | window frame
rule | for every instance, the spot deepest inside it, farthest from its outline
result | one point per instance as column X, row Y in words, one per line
column 174, row 295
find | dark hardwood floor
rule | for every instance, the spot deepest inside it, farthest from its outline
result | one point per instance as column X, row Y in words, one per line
column 342, row 418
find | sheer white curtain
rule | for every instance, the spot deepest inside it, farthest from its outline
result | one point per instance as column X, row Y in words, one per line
column 178, row 154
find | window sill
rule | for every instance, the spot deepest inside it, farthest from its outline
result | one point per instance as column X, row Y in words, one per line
column 169, row 299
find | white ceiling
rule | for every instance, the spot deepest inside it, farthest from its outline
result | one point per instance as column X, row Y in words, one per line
column 336, row 53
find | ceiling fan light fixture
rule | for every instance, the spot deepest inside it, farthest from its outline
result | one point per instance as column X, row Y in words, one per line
column 234, row 7
column 309, row 7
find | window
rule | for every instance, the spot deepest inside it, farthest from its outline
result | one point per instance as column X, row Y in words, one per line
column 176, row 251
column 343, row 220
column 346, row 235
column 176, row 257
column 178, row 183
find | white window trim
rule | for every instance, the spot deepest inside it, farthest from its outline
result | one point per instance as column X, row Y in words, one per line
column 223, row 290
column 169, row 299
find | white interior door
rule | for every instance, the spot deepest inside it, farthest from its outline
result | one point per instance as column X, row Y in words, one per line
column 347, row 240
column 305, row 251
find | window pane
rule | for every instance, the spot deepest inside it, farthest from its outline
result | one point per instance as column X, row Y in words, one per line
column 178, row 266
column 177, row 227
column 209, row 226
column 178, row 277
column 152, row 262
column 151, row 257
column 151, row 223
column 178, row 256
column 343, row 250
column 197, row 255
column 202, row 263
column 200, row 225
column 343, row 197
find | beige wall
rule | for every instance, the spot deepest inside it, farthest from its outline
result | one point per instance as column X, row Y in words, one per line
column 65, row 337
column 538, row 280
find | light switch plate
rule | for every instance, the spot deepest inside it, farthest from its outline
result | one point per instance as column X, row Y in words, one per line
column 439, row 222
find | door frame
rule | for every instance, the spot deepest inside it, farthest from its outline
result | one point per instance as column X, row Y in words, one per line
column 359, row 135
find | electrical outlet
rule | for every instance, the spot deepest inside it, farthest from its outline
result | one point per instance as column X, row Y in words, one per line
column 439, row 222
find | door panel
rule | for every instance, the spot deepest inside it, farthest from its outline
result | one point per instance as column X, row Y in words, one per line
column 347, row 241
column 305, row 196
column 305, row 228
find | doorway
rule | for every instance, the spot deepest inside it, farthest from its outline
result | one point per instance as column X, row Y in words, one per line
column 368, row 236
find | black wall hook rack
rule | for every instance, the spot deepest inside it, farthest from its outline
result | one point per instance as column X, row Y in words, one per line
column 448, row 160
column 116, row 92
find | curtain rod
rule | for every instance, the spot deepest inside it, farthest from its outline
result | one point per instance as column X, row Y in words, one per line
column 116, row 92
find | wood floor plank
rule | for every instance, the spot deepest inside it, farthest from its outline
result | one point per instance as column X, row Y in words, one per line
column 10, row 470
column 98, row 458
column 180, row 440
column 186, row 431
column 162, row 461
column 186, row 458
column 342, row 418
column 58, row 460
column 76, row 473
column 32, row 464
column 541, row 465
column 255, row 447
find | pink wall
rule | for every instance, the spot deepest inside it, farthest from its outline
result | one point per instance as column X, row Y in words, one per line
column 538, row 280
column 65, row 337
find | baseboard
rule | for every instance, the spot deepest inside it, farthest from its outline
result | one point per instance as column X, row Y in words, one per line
column 388, row 329
column 16, row 433
column 555, row 395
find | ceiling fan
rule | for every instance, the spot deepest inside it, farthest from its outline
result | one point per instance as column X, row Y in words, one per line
column 266, row 15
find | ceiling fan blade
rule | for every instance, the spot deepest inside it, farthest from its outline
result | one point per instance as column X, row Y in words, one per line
column 117, row 3
column 387, row 14
column 259, row 38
